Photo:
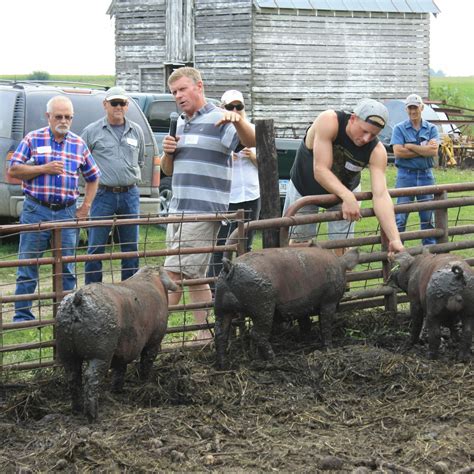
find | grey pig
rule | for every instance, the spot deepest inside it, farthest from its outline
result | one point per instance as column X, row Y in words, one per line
column 105, row 325
column 440, row 289
column 290, row 282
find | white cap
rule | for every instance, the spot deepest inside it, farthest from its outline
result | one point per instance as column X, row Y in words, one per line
column 116, row 93
column 232, row 96
column 413, row 99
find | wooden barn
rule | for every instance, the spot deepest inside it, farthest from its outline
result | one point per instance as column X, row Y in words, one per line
column 290, row 58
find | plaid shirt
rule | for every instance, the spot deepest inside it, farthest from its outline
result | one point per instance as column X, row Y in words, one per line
column 40, row 147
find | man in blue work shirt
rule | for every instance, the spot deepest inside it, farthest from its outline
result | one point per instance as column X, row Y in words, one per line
column 118, row 146
column 415, row 145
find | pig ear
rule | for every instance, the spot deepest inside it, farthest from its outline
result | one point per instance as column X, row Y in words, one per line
column 226, row 265
column 458, row 271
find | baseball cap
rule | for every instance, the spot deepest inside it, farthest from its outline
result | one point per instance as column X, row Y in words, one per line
column 116, row 93
column 372, row 112
column 413, row 99
column 232, row 96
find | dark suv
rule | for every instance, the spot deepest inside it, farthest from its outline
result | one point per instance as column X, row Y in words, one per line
column 22, row 109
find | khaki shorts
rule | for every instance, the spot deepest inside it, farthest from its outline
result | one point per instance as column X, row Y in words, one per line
column 190, row 235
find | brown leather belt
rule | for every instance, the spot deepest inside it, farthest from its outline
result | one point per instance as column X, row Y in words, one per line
column 116, row 189
column 51, row 205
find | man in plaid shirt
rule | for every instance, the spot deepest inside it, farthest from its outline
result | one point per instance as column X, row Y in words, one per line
column 49, row 161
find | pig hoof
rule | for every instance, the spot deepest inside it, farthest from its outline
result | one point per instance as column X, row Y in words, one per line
column 432, row 355
column 463, row 357
column 267, row 354
column 222, row 365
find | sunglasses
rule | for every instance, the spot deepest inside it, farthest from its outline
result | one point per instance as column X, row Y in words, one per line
column 116, row 103
column 234, row 106
column 65, row 117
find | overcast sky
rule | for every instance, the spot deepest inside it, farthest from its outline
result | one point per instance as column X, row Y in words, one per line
column 52, row 36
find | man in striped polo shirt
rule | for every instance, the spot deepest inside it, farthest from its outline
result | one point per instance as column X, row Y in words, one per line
column 49, row 161
column 200, row 160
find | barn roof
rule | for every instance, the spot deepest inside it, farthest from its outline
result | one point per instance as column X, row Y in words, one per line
column 396, row 6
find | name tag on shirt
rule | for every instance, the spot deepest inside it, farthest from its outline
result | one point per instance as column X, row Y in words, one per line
column 43, row 149
column 352, row 167
column 191, row 139
column 132, row 141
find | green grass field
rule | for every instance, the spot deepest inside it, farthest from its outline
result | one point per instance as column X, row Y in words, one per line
column 455, row 90
column 98, row 80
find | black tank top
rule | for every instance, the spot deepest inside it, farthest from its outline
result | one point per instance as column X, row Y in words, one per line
column 348, row 161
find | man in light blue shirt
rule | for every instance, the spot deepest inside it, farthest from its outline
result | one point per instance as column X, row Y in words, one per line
column 415, row 145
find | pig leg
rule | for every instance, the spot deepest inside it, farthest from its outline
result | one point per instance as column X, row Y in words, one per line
column 147, row 358
column 466, row 337
column 118, row 375
column 93, row 376
column 222, row 331
column 416, row 312
column 304, row 324
column 73, row 368
column 434, row 334
column 325, row 323
column 260, row 333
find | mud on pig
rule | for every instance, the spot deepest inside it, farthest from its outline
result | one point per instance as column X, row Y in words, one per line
column 440, row 289
column 290, row 283
column 109, row 325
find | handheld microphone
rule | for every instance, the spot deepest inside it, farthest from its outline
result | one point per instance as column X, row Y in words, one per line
column 173, row 123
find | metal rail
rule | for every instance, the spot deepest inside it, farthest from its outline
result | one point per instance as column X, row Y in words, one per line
column 378, row 295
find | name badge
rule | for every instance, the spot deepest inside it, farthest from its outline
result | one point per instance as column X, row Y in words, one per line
column 191, row 139
column 43, row 149
column 132, row 141
column 352, row 167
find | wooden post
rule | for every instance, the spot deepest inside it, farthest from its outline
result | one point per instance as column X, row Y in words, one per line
column 268, row 178
column 441, row 219
column 56, row 250
column 390, row 300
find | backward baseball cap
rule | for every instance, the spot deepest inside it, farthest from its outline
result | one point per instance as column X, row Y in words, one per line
column 372, row 111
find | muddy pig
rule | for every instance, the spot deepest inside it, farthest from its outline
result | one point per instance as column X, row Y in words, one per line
column 288, row 283
column 109, row 325
column 440, row 289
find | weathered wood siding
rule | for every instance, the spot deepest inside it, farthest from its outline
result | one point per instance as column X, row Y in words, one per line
column 223, row 45
column 140, row 29
column 289, row 64
column 179, row 31
column 304, row 63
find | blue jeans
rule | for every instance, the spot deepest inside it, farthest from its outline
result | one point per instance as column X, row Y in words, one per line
column 105, row 205
column 408, row 178
column 336, row 229
column 34, row 244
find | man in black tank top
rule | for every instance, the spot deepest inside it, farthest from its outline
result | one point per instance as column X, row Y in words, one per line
column 334, row 151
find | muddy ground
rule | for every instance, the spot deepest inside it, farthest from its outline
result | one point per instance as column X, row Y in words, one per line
column 368, row 405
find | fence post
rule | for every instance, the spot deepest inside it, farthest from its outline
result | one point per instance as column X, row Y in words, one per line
column 268, row 178
column 242, row 235
column 441, row 218
column 390, row 300
column 56, row 250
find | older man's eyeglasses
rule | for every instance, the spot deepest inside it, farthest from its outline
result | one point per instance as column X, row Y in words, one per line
column 116, row 103
column 63, row 117
column 234, row 106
